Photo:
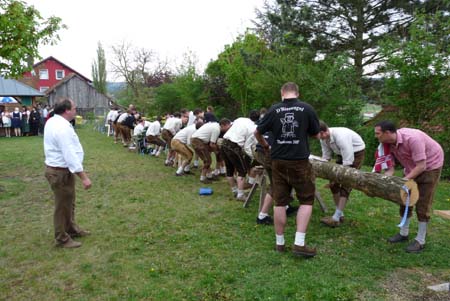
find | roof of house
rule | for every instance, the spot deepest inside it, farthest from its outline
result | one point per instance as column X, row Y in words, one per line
column 65, row 80
column 12, row 87
column 53, row 58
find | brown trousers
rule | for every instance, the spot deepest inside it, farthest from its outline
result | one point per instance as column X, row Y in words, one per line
column 202, row 149
column 183, row 150
column 427, row 183
column 337, row 188
column 62, row 183
column 167, row 137
column 297, row 174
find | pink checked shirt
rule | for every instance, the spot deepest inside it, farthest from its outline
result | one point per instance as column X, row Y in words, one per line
column 413, row 146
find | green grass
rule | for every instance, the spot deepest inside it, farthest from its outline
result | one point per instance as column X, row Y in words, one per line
column 155, row 238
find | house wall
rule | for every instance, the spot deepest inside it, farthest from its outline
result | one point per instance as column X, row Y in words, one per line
column 51, row 65
column 84, row 95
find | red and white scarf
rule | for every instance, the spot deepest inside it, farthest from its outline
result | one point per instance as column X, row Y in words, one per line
column 383, row 157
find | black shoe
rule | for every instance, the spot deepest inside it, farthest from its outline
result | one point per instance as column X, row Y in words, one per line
column 179, row 174
column 291, row 210
column 397, row 238
column 265, row 221
column 415, row 247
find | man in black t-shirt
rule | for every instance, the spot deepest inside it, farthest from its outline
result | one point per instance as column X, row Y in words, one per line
column 291, row 122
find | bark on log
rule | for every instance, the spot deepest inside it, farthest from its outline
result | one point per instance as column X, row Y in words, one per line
column 372, row 184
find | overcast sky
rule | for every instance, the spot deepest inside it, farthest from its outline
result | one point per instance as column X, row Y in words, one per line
column 170, row 28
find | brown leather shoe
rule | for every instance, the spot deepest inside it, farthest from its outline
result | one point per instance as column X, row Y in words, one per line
column 415, row 247
column 81, row 233
column 206, row 181
column 304, row 251
column 280, row 248
column 330, row 222
column 397, row 238
column 69, row 244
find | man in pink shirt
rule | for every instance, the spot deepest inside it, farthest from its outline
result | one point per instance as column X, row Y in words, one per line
column 422, row 159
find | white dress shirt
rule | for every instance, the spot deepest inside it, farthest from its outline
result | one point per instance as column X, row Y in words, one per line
column 122, row 117
column 191, row 119
column 62, row 147
column 209, row 132
column 173, row 124
column 139, row 128
column 154, row 129
column 112, row 115
column 241, row 132
column 185, row 134
column 344, row 142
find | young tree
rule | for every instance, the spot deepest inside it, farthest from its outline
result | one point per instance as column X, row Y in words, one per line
column 132, row 65
column 99, row 70
column 22, row 29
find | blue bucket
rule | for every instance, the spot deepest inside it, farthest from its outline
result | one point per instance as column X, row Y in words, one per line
column 205, row 191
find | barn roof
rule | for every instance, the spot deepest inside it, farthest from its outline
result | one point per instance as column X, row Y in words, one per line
column 12, row 87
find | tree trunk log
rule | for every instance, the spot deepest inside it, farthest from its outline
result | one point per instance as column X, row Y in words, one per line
column 372, row 184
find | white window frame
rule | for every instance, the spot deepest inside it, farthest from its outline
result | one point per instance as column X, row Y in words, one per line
column 42, row 72
column 60, row 70
column 43, row 89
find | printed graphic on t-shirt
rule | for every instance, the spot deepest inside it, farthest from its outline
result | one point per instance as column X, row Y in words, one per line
column 289, row 125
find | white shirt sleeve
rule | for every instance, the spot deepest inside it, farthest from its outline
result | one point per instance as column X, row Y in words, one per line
column 327, row 152
column 70, row 146
column 345, row 145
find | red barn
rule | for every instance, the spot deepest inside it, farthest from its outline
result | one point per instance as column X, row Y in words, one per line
column 47, row 73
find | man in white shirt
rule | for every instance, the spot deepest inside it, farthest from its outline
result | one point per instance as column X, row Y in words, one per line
column 204, row 141
column 64, row 158
column 111, row 117
column 141, row 126
column 170, row 128
column 237, row 149
column 180, row 144
column 350, row 149
column 198, row 115
column 152, row 134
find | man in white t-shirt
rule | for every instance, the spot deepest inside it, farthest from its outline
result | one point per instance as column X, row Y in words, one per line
column 350, row 149
column 180, row 144
column 204, row 141
column 153, row 136
column 237, row 149
column 170, row 128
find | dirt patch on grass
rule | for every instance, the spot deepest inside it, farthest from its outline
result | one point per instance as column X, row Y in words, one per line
column 411, row 284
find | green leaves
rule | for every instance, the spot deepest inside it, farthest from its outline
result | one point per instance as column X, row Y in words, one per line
column 22, row 29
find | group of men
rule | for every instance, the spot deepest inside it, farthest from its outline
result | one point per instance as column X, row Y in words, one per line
column 282, row 147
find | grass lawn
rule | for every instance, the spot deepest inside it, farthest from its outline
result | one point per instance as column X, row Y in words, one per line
column 154, row 238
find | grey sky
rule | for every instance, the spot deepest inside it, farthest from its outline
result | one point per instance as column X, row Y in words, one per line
column 168, row 27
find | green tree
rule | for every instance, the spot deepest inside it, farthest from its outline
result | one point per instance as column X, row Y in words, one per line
column 419, row 78
column 186, row 89
column 239, row 63
column 22, row 29
column 99, row 70
column 353, row 27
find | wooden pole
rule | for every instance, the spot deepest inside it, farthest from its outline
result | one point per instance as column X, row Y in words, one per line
column 372, row 184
